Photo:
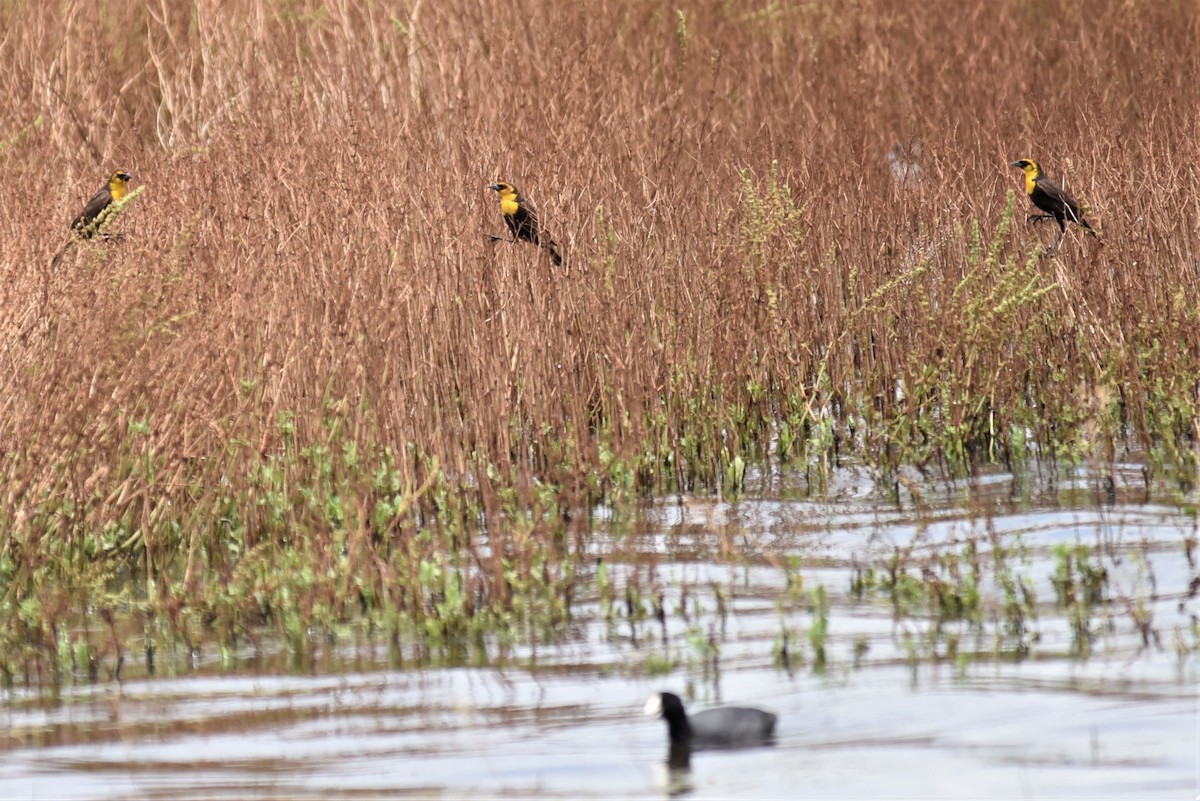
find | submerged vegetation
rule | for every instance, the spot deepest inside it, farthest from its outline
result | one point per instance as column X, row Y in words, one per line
column 306, row 396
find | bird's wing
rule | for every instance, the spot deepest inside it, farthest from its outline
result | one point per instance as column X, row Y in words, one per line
column 93, row 208
column 1055, row 192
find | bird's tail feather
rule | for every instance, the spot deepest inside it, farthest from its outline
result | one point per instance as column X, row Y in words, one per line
column 58, row 257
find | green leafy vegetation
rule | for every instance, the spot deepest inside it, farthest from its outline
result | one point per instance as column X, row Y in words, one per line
column 301, row 395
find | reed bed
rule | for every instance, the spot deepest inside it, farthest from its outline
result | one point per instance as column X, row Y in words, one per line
column 304, row 384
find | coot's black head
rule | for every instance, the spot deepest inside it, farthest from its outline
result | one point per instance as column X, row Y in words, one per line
column 669, row 707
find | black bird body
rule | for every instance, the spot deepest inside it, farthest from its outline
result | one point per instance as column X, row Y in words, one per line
column 723, row 727
column 1051, row 199
column 522, row 219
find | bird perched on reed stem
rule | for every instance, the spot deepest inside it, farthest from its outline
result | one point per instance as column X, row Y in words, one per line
column 522, row 219
column 88, row 222
column 1051, row 199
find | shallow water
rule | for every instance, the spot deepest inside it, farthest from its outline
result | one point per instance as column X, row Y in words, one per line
column 892, row 714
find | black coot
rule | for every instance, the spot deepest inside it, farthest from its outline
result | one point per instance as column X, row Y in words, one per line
column 723, row 727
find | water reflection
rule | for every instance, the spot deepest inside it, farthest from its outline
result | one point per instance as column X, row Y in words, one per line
column 679, row 756
column 679, row 770
column 678, row 764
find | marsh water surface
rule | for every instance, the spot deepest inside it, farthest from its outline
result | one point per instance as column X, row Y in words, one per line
column 905, row 658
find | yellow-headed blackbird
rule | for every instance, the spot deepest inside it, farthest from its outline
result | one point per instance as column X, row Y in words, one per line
column 84, row 226
column 115, row 189
column 522, row 219
column 1050, row 198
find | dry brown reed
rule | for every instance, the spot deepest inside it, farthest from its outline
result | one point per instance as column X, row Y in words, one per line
column 309, row 263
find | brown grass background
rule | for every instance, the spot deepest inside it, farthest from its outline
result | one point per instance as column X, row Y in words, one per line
column 311, row 241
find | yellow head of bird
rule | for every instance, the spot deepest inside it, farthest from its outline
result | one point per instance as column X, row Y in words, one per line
column 505, row 189
column 1032, row 171
column 118, row 184
column 510, row 198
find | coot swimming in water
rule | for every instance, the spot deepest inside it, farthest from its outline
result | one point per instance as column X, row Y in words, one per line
column 723, row 727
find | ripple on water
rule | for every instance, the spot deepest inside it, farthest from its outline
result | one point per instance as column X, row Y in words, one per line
column 895, row 713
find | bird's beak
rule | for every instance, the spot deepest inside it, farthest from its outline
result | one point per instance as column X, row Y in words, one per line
column 1015, row 164
column 494, row 187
